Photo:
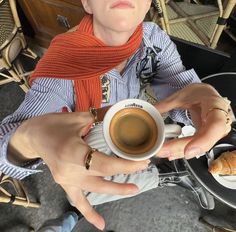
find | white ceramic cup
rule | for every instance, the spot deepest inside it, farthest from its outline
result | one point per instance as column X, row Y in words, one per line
column 99, row 137
column 164, row 131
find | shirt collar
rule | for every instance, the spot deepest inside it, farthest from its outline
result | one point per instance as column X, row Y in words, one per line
column 140, row 54
column 147, row 43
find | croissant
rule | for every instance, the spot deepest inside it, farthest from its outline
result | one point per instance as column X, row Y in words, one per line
column 225, row 164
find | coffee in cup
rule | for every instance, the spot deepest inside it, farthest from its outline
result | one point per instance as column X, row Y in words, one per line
column 133, row 131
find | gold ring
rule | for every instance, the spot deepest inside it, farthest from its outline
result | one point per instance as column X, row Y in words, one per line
column 94, row 112
column 223, row 111
column 217, row 108
column 88, row 157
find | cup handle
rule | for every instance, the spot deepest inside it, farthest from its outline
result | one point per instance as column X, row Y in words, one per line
column 172, row 131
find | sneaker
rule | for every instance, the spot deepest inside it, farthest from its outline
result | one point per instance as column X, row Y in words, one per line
column 174, row 173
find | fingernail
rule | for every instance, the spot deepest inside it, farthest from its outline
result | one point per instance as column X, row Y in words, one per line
column 64, row 109
column 101, row 226
column 192, row 152
column 99, row 222
column 133, row 190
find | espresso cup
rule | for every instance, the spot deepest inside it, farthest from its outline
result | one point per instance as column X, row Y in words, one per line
column 134, row 129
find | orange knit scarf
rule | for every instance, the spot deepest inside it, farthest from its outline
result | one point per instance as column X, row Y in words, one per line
column 81, row 57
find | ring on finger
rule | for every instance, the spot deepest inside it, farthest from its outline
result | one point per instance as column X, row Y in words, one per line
column 226, row 112
column 88, row 157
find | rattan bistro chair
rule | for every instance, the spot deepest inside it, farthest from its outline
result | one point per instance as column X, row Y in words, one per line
column 13, row 192
column 12, row 46
column 192, row 21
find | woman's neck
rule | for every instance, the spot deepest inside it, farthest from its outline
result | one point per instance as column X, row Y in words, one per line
column 111, row 37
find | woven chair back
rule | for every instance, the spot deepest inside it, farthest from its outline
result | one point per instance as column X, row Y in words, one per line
column 7, row 23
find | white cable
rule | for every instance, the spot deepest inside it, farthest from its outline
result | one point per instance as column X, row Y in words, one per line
column 218, row 74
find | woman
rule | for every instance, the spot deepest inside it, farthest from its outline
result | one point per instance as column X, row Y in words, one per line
column 111, row 56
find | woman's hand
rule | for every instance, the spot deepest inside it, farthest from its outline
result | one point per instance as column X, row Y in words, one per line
column 57, row 139
column 204, row 104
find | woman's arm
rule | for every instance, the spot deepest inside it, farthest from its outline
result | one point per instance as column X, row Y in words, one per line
column 45, row 96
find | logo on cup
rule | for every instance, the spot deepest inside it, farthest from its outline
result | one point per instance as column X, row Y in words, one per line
column 134, row 105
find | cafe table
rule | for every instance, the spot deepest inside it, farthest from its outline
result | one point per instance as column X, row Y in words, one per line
column 225, row 83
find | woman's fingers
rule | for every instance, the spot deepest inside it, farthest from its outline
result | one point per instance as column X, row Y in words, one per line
column 193, row 94
column 85, row 121
column 72, row 158
column 169, row 103
column 100, row 185
column 209, row 115
column 174, row 149
column 100, row 165
column 213, row 130
column 81, row 203
column 97, row 184
column 104, row 165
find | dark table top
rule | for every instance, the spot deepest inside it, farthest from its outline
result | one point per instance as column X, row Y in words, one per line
column 199, row 169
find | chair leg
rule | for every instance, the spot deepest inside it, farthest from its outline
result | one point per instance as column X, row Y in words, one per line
column 21, row 82
column 159, row 14
column 13, row 76
column 165, row 16
column 28, row 52
column 21, row 72
column 220, row 28
column 21, row 198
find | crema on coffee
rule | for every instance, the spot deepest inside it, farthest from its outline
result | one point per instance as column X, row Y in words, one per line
column 133, row 131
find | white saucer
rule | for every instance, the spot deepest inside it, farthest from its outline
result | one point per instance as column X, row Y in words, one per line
column 226, row 181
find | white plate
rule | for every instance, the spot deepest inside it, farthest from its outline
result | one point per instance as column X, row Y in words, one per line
column 226, row 181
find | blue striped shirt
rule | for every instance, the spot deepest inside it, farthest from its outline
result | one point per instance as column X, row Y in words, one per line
column 156, row 62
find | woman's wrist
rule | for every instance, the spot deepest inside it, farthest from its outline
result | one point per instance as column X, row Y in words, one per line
column 16, row 158
column 20, row 146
